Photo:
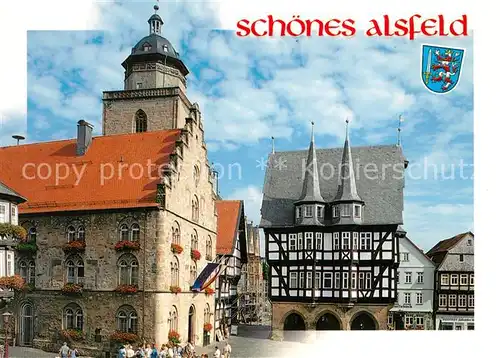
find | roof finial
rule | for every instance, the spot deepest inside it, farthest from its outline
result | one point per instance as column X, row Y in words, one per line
column 157, row 6
column 272, row 140
column 401, row 119
column 312, row 131
column 347, row 128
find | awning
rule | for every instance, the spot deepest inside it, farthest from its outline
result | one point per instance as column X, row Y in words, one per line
column 206, row 277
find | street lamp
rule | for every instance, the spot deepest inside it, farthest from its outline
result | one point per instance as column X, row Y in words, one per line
column 6, row 321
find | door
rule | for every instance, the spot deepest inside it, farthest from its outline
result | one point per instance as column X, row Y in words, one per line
column 26, row 325
column 191, row 325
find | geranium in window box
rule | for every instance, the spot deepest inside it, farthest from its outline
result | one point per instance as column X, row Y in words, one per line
column 174, row 337
column 127, row 289
column 127, row 245
column 195, row 255
column 72, row 334
column 72, row 289
column 15, row 283
column 209, row 291
column 176, row 248
column 123, row 337
column 26, row 246
column 13, row 231
column 207, row 327
column 419, row 327
column 75, row 246
column 175, row 289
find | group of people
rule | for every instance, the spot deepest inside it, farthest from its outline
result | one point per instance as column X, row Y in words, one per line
column 67, row 352
column 168, row 350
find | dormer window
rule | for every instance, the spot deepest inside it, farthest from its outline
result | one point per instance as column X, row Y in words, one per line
column 336, row 211
column 147, row 47
column 165, row 48
column 357, row 211
column 319, row 211
column 309, row 211
column 298, row 212
column 346, row 210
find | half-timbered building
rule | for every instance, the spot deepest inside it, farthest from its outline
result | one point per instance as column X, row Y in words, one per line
column 331, row 239
column 454, row 287
column 231, row 252
column 415, row 283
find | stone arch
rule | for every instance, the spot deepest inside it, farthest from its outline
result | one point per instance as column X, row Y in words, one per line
column 294, row 324
column 364, row 321
column 328, row 320
column 192, row 324
column 140, row 121
column 26, row 323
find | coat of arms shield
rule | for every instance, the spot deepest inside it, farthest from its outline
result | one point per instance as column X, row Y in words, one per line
column 441, row 67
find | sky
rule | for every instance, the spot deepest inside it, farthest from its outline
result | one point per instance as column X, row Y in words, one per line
column 251, row 89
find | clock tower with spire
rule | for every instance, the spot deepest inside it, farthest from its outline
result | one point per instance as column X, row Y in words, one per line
column 154, row 94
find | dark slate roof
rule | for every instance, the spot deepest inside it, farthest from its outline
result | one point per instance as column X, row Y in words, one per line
column 155, row 17
column 310, row 186
column 5, row 191
column 380, row 184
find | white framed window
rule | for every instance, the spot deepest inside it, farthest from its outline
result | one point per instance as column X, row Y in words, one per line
column 461, row 258
column 317, row 281
column 336, row 211
column 345, row 210
column 353, row 280
column 463, row 279
column 397, row 277
column 3, row 214
column 471, row 301
column 327, row 280
column 469, row 242
column 420, row 277
column 454, row 279
column 419, row 320
column 357, row 211
column 462, row 301
column 471, row 279
column 407, row 298
column 452, row 300
column 337, row 280
column 407, row 277
column 13, row 216
column 309, row 281
column 301, row 279
column 408, row 320
column 309, row 240
column 293, row 279
column 319, row 241
column 445, row 279
column 443, row 300
column 406, row 257
column 355, row 241
column 293, row 241
column 365, row 241
column 309, row 211
column 368, row 280
column 138, row 85
column 336, row 241
column 361, row 278
column 419, row 298
column 300, row 242
column 345, row 240
column 319, row 211
column 298, row 212
column 345, row 280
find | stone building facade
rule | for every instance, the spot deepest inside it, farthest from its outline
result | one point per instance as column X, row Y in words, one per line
column 115, row 251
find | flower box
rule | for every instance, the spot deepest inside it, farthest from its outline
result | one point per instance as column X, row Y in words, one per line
column 72, row 289
column 15, row 283
column 26, row 246
column 72, row 334
column 195, row 255
column 176, row 249
column 74, row 246
column 127, row 289
column 14, row 231
column 209, row 291
column 175, row 289
column 207, row 327
column 174, row 337
column 127, row 245
column 123, row 337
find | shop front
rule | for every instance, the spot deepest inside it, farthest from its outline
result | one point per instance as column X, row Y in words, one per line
column 454, row 322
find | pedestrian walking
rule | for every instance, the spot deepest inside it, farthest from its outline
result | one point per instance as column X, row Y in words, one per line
column 154, row 352
column 148, row 351
column 64, row 351
column 73, row 353
column 122, row 352
column 227, row 350
column 217, row 352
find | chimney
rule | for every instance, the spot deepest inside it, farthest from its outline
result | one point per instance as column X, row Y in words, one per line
column 84, row 137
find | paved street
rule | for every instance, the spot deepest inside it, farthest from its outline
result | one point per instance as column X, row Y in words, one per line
column 22, row 352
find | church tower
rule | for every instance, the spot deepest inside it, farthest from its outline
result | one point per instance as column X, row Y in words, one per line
column 154, row 94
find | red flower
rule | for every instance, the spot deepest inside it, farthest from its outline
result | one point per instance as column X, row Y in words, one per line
column 176, row 249
column 15, row 283
column 72, row 288
column 175, row 289
column 72, row 334
column 123, row 337
column 174, row 337
column 127, row 245
column 74, row 246
column 127, row 289
column 195, row 255
column 209, row 291
column 207, row 327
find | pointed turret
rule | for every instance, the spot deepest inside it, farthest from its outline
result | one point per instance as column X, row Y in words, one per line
column 347, row 205
column 310, row 206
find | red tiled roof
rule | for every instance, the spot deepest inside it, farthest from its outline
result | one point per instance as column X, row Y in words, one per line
column 123, row 155
column 228, row 220
column 445, row 245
